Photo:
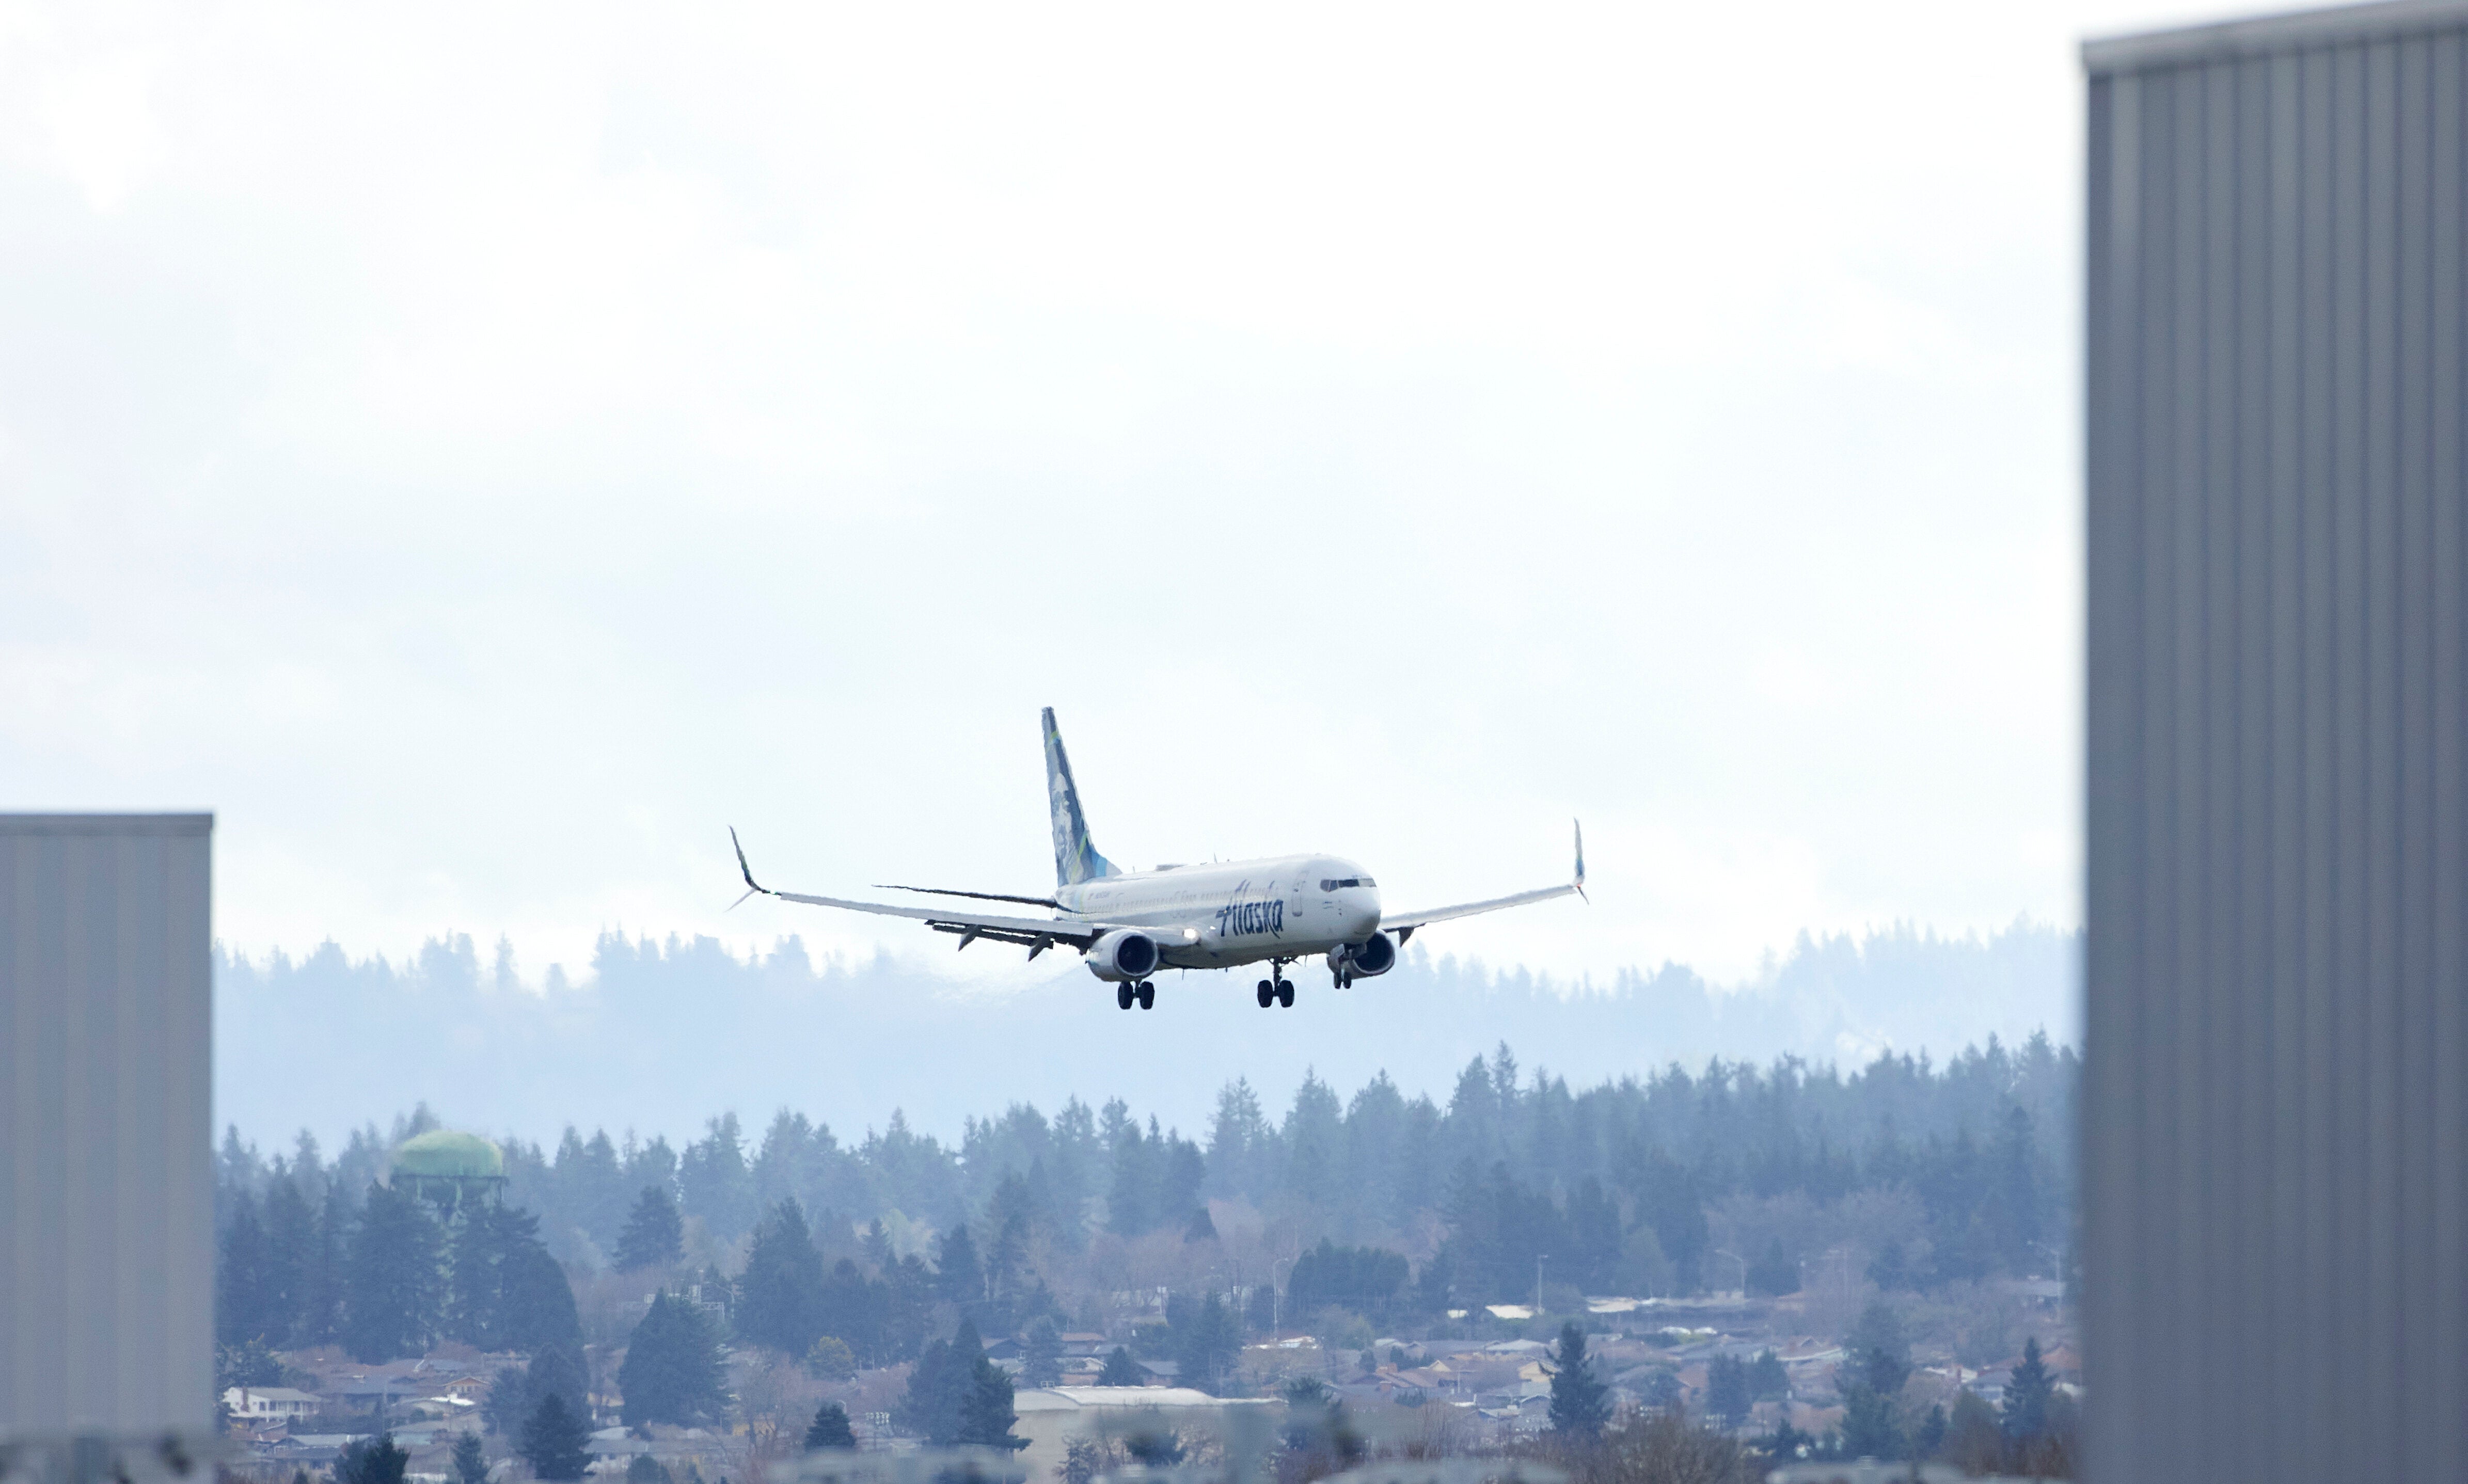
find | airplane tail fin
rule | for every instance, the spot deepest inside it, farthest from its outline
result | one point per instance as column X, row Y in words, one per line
column 1075, row 859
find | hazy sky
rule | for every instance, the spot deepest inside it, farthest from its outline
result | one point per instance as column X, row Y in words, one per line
column 483, row 453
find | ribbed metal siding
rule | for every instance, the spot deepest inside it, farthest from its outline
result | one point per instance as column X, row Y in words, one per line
column 2277, row 1083
column 106, row 1292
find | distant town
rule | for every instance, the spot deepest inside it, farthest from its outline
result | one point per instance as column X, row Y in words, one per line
column 1741, row 1267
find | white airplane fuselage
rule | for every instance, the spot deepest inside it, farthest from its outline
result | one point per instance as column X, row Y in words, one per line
column 1226, row 913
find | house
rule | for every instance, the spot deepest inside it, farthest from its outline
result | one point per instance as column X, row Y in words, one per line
column 267, row 1404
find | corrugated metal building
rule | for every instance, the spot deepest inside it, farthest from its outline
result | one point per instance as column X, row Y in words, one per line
column 2275, row 1111
column 106, row 1296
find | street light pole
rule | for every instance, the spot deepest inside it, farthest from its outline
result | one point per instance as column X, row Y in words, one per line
column 1744, row 1268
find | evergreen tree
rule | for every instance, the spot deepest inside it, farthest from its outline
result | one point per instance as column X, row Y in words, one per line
column 714, row 1182
column 672, row 1372
column 517, row 1394
column 1041, row 1357
column 1579, row 1406
column 858, row 1309
column 906, row 1303
column 1008, row 1259
column 780, row 1297
column 831, row 1428
column 1767, row 1380
column 1931, row 1434
column 320, row 1320
column 1880, row 1350
column 1868, row 1427
column 1121, row 1370
column 555, row 1442
column 647, row 1470
column 375, row 1460
column 654, row 1235
column 1726, row 1389
column 1892, row 1269
column 470, row 1460
column 2027, row 1396
column 2013, row 1201
column 539, row 1310
column 985, row 1410
column 940, row 1387
column 394, row 1278
column 1208, row 1346
column 506, row 1291
column 292, row 1261
column 507, row 1403
column 957, row 1275
column 244, row 1310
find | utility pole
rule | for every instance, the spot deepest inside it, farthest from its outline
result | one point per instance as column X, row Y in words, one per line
column 1538, row 1284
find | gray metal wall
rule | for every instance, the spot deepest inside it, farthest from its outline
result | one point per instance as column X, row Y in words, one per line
column 106, row 1280
column 2275, row 1111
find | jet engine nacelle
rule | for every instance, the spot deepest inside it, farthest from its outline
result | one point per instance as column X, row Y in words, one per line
column 1123, row 955
column 1362, row 960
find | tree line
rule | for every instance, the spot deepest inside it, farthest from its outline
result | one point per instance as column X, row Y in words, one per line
column 1611, row 1186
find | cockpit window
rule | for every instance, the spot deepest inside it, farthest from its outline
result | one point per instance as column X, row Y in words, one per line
column 1334, row 882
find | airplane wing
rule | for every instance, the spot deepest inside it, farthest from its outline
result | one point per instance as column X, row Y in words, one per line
column 1403, row 924
column 1036, row 934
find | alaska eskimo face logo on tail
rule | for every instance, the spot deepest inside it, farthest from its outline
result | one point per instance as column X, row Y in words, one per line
column 1075, row 857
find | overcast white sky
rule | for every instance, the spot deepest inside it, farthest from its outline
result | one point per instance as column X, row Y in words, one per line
column 482, row 453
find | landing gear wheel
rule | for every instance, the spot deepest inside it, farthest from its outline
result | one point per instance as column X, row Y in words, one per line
column 1148, row 994
column 1267, row 994
column 1123, row 996
column 1286, row 994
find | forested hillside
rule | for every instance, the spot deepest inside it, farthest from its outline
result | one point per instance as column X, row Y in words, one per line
column 654, row 1037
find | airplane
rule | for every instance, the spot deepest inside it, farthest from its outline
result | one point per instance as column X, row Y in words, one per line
column 1129, row 925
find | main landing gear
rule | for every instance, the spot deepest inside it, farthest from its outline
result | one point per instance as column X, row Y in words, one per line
column 1144, row 991
column 1277, row 990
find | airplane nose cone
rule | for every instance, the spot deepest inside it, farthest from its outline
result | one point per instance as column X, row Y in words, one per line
column 1362, row 922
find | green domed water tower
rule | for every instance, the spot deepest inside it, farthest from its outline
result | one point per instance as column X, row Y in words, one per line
column 452, row 1170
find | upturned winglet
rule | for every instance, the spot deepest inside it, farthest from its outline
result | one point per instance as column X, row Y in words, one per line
column 752, row 887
